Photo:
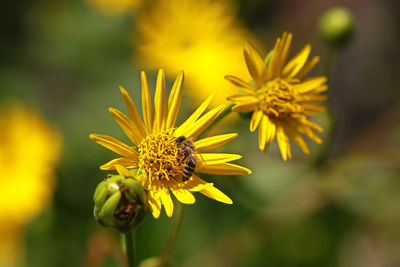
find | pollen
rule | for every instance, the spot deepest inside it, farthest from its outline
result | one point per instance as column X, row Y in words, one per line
column 278, row 99
column 160, row 157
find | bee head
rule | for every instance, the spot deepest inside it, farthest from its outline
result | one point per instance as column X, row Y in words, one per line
column 180, row 140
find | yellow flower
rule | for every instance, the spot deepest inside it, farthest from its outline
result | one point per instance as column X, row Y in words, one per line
column 201, row 37
column 29, row 148
column 158, row 158
column 279, row 98
column 115, row 7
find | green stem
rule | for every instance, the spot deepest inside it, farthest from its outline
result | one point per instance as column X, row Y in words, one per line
column 172, row 236
column 222, row 115
column 130, row 248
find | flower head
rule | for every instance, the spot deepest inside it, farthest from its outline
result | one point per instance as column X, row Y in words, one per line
column 278, row 97
column 120, row 201
column 29, row 150
column 159, row 159
column 202, row 37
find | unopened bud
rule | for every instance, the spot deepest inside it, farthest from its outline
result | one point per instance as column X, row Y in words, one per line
column 336, row 26
column 120, row 203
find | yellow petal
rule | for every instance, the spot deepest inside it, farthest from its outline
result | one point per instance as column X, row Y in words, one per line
column 126, row 162
column 223, row 169
column 133, row 113
column 299, row 141
column 195, row 183
column 123, row 171
column 255, row 119
column 239, row 82
column 272, row 70
column 214, row 193
column 246, row 106
column 201, row 124
column 307, row 67
column 255, row 64
column 283, row 142
column 214, row 141
column 114, row 145
column 182, row 195
column 130, row 130
column 188, row 123
column 166, row 200
column 147, row 106
column 310, row 84
column 174, row 101
column 160, row 105
column 286, row 41
column 297, row 62
column 310, row 134
column 243, row 97
column 217, row 158
column 154, row 203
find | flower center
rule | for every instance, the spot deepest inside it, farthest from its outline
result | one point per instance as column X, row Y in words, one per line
column 277, row 98
column 160, row 157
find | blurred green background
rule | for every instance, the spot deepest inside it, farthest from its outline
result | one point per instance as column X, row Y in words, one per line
column 67, row 58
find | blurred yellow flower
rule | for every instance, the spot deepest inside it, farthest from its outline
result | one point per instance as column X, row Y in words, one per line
column 161, row 159
column 201, row 37
column 115, row 7
column 29, row 148
column 278, row 97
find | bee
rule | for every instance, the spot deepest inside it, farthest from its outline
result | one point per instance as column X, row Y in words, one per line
column 190, row 159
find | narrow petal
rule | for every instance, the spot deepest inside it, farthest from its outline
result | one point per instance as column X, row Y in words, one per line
column 214, row 141
column 166, row 200
column 286, row 42
column 310, row 84
column 183, row 195
column 239, row 82
column 262, row 133
column 283, row 142
column 307, row 67
column 174, row 101
column 123, row 171
column 154, row 203
column 217, row 158
column 296, row 63
column 147, row 106
column 188, row 123
column 214, row 193
column 127, row 126
column 160, row 104
column 298, row 140
column 114, row 145
column 126, row 162
column 255, row 119
column 246, row 106
column 243, row 97
column 133, row 113
column 201, row 124
column 223, row 169
column 272, row 70
column 195, row 183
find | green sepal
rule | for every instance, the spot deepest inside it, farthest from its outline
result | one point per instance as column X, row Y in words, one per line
column 100, row 197
column 110, row 205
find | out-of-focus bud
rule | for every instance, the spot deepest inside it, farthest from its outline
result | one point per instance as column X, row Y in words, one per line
column 336, row 26
column 120, row 202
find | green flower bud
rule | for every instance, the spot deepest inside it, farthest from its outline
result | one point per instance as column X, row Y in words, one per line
column 120, row 202
column 336, row 26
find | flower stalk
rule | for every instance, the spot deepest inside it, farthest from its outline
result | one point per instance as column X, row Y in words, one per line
column 172, row 236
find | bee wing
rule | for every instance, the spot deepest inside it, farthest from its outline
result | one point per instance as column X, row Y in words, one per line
column 201, row 159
